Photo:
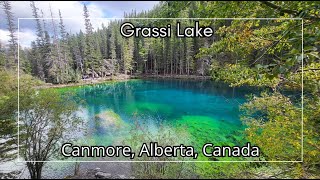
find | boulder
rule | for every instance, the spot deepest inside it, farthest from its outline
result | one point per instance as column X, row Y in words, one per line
column 108, row 74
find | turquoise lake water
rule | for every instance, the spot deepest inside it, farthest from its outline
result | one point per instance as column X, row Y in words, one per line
column 207, row 111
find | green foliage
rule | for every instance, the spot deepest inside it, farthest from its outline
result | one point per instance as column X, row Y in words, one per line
column 238, row 75
column 311, row 134
column 274, row 124
column 47, row 119
column 269, row 54
column 9, row 106
column 2, row 56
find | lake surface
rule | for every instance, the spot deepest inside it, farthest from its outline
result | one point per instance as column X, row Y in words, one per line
column 208, row 112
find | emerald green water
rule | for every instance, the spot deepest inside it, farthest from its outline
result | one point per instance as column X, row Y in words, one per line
column 207, row 111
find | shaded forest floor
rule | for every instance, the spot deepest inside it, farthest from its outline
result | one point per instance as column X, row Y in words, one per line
column 122, row 77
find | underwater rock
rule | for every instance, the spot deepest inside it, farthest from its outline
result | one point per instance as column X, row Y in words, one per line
column 110, row 119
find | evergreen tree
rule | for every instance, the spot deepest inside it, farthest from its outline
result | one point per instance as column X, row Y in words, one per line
column 113, row 47
column 76, row 56
column 67, row 72
column 50, row 64
column 12, row 59
column 39, row 44
column 92, row 54
column 128, row 47
column 81, row 44
column 54, row 59
column 25, row 64
column 2, row 56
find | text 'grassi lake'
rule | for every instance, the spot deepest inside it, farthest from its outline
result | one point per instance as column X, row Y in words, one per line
column 170, row 112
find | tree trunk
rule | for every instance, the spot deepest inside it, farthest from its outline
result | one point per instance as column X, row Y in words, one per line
column 145, row 67
column 35, row 170
column 39, row 171
column 31, row 171
column 76, row 168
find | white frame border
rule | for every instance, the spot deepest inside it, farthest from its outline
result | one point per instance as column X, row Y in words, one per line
column 302, row 125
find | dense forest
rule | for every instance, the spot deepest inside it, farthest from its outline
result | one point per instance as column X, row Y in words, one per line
column 61, row 57
column 280, row 54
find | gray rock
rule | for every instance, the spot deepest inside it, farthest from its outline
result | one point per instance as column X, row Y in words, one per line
column 102, row 175
column 97, row 169
column 119, row 177
column 122, row 177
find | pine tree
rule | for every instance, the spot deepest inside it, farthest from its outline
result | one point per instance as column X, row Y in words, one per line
column 189, row 55
column 76, row 56
column 88, row 45
column 24, row 62
column 2, row 56
column 113, row 48
column 97, row 56
column 92, row 53
column 39, row 44
column 67, row 71
column 128, row 47
column 48, row 57
column 81, row 44
column 104, row 42
column 13, row 45
column 182, row 55
column 119, row 47
column 167, row 54
column 37, row 68
column 54, row 59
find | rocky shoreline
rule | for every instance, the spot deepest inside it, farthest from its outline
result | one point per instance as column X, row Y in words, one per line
column 97, row 173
